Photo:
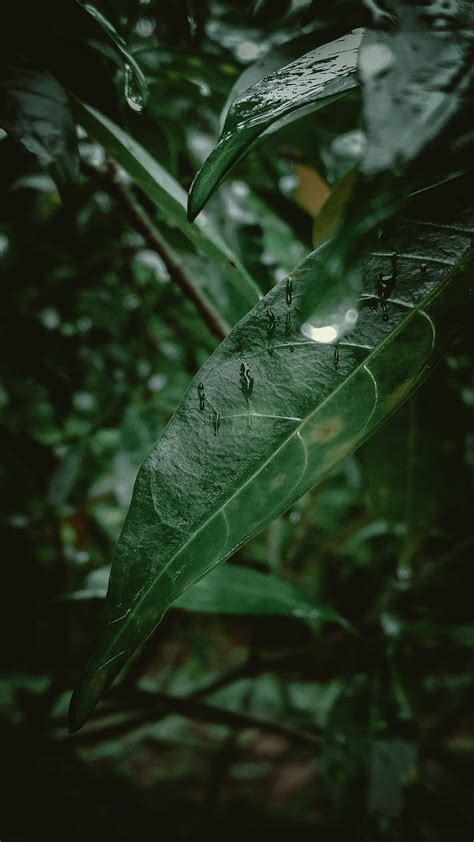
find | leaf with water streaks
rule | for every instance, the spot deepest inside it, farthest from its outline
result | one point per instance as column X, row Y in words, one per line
column 271, row 413
column 170, row 200
column 308, row 83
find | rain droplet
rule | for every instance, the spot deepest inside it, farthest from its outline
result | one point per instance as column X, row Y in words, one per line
column 289, row 291
column 271, row 323
column 336, row 357
column 246, row 381
column 201, row 397
column 385, row 315
column 216, row 422
column 386, row 283
column 133, row 89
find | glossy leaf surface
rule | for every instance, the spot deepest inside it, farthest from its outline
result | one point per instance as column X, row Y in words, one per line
column 170, row 200
column 270, row 414
column 306, row 84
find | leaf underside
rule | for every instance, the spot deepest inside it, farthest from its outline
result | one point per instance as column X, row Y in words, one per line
column 308, row 83
column 238, row 453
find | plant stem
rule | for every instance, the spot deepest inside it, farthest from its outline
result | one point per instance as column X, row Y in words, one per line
column 109, row 179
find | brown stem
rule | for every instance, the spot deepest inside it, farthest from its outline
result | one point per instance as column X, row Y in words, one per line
column 144, row 708
column 109, row 179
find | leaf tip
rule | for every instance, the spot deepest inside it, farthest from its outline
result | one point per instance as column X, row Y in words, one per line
column 79, row 711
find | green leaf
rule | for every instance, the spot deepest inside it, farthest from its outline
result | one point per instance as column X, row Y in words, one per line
column 34, row 110
column 169, row 198
column 308, row 83
column 270, row 414
column 432, row 477
column 230, row 589
column 136, row 90
column 415, row 76
column 238, row 590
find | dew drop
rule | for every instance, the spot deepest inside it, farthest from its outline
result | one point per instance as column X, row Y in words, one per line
column 385, row 315
column 133, row 89
column 246, row 381
column 289, row 291
column 423, row 268
column 336, row 357
column 271, row 323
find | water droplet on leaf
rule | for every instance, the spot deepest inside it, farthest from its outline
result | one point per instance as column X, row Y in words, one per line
column 201, row 397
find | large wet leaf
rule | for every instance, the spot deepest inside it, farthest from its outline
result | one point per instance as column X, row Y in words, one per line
column 270, row 414
column 308, row 83
column 170, row 200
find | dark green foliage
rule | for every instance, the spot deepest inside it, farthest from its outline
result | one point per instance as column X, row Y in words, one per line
column 320, row 684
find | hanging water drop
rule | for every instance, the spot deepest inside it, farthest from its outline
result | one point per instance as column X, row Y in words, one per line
column 201, row 397
column 134, row 88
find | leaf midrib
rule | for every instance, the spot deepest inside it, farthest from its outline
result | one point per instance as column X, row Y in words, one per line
column 373, row 353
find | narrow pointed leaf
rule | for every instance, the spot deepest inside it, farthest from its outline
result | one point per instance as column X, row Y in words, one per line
column 230, row 589
column 306, row 84
column 170, row 200
column 270, row 414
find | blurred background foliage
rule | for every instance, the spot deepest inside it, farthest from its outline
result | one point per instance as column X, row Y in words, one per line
column 265, row 726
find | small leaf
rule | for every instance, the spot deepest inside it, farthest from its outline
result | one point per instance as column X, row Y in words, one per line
column 280, row 412
column 34, row 110
column 306, row 84
column 169, row 198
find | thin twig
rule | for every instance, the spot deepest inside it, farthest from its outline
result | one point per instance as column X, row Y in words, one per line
column 146, row 707
column 111, row 182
